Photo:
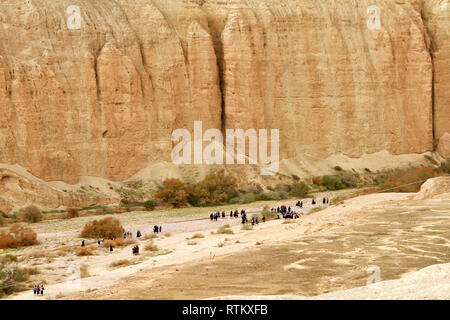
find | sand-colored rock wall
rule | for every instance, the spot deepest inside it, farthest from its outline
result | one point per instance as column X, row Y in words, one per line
column 103, row 99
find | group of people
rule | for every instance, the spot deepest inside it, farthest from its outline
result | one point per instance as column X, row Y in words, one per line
column 233, row 214
column 286, row 212
column 128, row 234
column 38, row 289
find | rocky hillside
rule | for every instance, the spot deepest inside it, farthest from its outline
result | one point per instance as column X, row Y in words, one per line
column 101, row 95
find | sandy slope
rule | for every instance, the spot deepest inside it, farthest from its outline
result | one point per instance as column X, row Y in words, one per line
column 432, row 282
column 113, row 284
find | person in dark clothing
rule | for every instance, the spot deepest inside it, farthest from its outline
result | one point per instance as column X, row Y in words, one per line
column 253, row 221
column 138, row 234
column 42, row 290
column 301, row 204
column 34, row 289
column 38, row 290
column 289, row 209
column 160, row 229
column 82, row 243
column 211, row 217
column 256, row 221
column 223, row 214
column 313, row 202
column 264, row 219
column 110, row 248
column 231, row 214
column 278, row 210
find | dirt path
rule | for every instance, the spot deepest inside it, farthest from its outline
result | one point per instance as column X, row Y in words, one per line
column 100, row 272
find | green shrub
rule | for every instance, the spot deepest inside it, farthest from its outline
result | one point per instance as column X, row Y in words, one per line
column 219, row 188
column 149, row 205
column 283, row 195
column 349, row 180
column 72, row 213
column 151, row 247
column 197, row 195
column 331, row 182
column 247, row 198
column 261, row 197
column 247, row 227
column 8, row 258
column 225, row 230
column 430, row 159
column 445, row 166
column 407, row 180
column 299, row 189
column 17, row 237
column 10, row 277
column 269, row 215
column 30, row 214
column 104, row 228
column 172, row 192
column 272, row 195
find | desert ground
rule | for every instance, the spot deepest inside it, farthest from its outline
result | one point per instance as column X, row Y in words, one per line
column 328, row 253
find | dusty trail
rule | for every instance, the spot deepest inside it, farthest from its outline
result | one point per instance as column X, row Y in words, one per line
column 102, row 276
column 368, row 227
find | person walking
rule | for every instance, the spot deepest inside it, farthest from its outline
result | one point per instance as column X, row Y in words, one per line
column 38, row 290
column 34, row 289
column 42, row 290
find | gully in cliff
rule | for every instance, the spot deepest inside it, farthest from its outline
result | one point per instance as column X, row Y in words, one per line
column 213, row 153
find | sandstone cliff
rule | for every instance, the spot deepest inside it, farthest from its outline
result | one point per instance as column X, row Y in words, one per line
column 102, row 100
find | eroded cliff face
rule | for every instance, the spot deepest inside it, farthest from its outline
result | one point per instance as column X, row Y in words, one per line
column 436, row 16
column 103, row 100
